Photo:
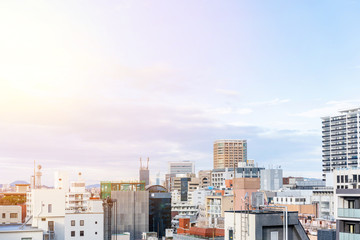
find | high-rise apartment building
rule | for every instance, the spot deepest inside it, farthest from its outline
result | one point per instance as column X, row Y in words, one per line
column 340, row 140
column 228, row 153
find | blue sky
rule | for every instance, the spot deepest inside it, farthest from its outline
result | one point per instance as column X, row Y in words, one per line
column 92, row 86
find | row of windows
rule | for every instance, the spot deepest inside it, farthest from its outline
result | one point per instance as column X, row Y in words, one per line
column 82, row 222
column 81, row 234
column 12, row 215
column 345, row 179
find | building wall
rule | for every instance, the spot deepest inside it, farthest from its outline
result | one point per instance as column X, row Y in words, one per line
column 183, row 167
column 144, row 176
column 227, row 153
column 10, row 214
column 48, row 205
column 93, row 226
column 205, row 178
column 159, row 213
column 261, row 225
column 243, row 186
column 132, row 213
column 271, row 179
column 20, row 235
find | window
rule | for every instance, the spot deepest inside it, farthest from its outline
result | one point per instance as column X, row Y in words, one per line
column 49, row 208
column 51, row 226
column 81, row 222
column 274, row 236
column 346, row 178
column 95, row 222
column 27, row 238
column 338, row 179
column 342, row 179
column 351, row 228
column 95, row 233
column 4, row 215
column 13, row 215
column 73, row 233
column 72, row 222
column 81, row 233
column 354, row 178
column 351, row 204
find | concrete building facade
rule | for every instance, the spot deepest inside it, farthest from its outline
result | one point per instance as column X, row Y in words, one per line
column 10, row 214
column 347, row 214
column 46, row 211
column 182, row 167
column 217, row 205
column 131, row 212
column 87, row 225
column 262, row 225
column 271, row 179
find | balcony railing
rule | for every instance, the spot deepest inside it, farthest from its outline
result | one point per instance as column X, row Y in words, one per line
column 349, row 236
column 349, row 213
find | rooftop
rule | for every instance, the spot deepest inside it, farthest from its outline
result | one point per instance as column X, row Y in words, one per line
column 258, row 212
column 18, row 228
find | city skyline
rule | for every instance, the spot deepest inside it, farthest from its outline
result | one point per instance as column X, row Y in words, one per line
column 93, row 87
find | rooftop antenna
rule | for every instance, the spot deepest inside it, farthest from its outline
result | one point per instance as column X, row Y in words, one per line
column 140, row 164
column 34, row 175
column 147, row 167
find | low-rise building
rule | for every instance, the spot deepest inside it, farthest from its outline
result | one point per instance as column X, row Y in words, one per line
column 19, row 232
column 324, row 199
column 217, row 205
column 263, row 224
column 85, row 225
column 244, row 170
column 10, row 214
column 271, row 179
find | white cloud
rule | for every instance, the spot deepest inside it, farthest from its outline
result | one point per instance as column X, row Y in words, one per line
column 272, row 102
column 227, row 92
column 331, row 108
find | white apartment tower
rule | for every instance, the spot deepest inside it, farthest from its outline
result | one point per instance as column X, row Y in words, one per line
column 340, row 140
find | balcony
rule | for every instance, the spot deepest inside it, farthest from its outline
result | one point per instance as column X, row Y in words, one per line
column 349, row 236
column 349, row 213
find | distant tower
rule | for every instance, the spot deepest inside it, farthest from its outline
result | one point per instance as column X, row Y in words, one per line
column 61, row 180
column 144, row 173
column 38, row 177
column 158, row 178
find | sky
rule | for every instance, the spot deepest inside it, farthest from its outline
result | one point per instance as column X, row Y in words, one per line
column 92, row 86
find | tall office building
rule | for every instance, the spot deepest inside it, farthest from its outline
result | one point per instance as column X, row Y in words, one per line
column 340, row 140
column 144, row 173
column 159, row 209
column 228, row 153
column 182, row 167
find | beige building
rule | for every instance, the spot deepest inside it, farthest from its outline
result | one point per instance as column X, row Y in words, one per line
column 228, row 153
column 10, row 214
column 205, row 178
column 217, row 205
column 185, row 186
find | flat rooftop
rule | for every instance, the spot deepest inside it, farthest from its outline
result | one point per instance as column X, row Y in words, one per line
column 17, row 228
column 262, row 212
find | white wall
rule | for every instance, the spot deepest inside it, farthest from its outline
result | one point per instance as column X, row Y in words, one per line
column 19, row 235
column 93, row 226
column 40, row 200
column 7, row 210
